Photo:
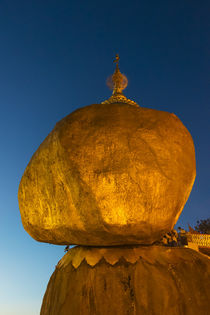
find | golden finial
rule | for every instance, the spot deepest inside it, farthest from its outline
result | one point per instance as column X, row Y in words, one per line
column 117, row 58
column 118, row 82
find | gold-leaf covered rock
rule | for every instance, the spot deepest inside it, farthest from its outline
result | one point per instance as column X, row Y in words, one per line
column 147, row 280
column 108, row 174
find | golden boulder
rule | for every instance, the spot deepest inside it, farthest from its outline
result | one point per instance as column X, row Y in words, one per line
column 108, row 174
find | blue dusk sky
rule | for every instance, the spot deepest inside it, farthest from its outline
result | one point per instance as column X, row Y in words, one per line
column 55, row 57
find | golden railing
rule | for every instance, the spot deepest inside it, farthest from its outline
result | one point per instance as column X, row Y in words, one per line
column 202, row 240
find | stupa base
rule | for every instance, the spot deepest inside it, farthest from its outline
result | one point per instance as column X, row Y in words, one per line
column 129, row 280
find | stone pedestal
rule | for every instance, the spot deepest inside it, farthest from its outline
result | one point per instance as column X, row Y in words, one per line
column 128, row 280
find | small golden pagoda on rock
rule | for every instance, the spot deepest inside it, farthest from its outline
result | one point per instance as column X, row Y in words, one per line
column 113, row 178
column 118, row 82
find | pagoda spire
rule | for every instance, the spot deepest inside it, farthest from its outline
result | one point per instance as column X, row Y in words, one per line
column 118, row 82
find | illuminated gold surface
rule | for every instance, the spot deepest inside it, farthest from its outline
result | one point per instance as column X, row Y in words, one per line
column 129, row 281
column 108, row 174
column 118, row 82
column 131, row 254
column 119, row 98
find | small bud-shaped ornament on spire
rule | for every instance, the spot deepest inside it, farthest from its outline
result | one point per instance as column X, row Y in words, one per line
column 118, row 82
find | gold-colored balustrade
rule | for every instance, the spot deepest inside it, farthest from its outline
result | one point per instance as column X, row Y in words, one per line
column 202, row 240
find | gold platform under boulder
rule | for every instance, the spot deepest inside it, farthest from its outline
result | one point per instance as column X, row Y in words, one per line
column 152, row 280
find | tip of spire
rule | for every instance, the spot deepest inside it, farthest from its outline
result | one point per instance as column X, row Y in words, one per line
column 117, row 58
